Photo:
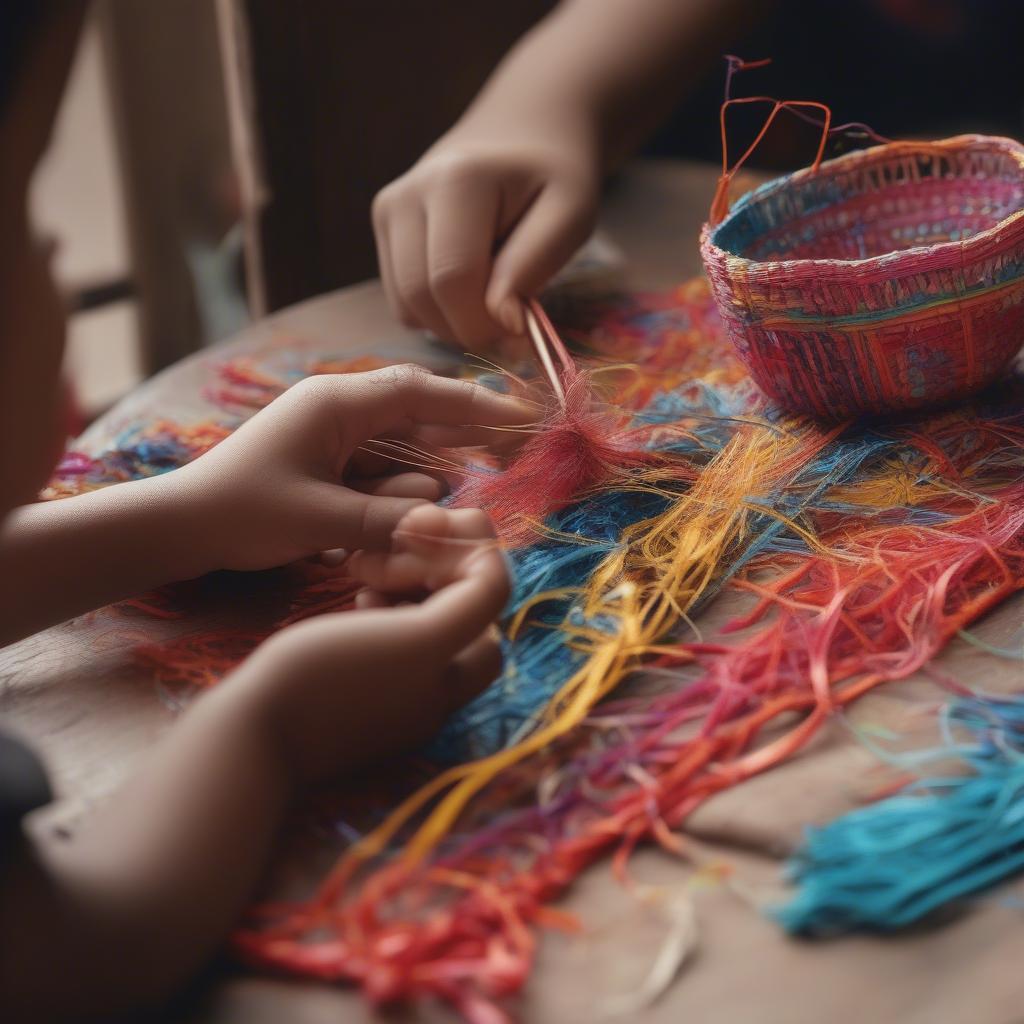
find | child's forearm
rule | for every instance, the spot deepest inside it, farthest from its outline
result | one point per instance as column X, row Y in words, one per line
column 61, row 558
column 146, row 888
column 610, row 69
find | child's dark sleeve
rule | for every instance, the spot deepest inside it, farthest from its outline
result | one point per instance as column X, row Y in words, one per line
column 23, row 788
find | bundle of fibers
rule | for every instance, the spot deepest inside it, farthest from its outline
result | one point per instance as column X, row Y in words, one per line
column 575, row 452
column 638, row 454
column 867, row 593
column 867, row 549
column 875, row 607
column 941, row 839
column 594, row 440
column 669, row 345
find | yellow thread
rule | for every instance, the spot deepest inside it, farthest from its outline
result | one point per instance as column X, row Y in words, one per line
column 648, row 585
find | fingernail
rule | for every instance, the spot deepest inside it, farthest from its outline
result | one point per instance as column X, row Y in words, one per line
column 510, row 313
column 334, row 557
column 494, row 634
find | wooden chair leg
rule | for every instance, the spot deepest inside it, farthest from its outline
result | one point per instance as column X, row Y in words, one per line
column 163, row 61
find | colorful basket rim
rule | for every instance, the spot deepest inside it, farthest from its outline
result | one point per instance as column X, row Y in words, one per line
column 941, row 254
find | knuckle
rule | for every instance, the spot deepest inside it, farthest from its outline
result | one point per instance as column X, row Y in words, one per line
column 381, row 208
column 452, row 171
column 403, row 378
column 466, row 391
column 366, row 520
column 413, row 292
column 318, row 388
column 451, row 278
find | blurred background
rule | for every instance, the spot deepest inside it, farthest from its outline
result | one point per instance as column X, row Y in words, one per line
column 215, row 160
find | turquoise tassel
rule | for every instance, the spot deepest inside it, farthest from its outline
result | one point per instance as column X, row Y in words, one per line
column 890, row 864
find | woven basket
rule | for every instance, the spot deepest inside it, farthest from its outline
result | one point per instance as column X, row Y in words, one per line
column 890, row 278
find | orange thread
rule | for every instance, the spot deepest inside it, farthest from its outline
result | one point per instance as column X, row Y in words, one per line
column 720, row 203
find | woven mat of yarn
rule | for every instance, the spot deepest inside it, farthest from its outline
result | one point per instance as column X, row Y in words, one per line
column 864, row 550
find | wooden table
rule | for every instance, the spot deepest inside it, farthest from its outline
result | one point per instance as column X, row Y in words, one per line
column 74, row 692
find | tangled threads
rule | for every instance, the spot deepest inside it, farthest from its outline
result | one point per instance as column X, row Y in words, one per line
column 863, row 550
column 839, row 627
column 147, row 451
column 579, row 451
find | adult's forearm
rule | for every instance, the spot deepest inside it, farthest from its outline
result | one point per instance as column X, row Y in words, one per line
column 61, row 558
column 611, row 68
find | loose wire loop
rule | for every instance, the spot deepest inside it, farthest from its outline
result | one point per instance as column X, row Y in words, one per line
column 720, row 202
column 734, row 64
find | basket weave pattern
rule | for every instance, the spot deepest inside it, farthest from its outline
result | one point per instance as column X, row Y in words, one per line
column 891, row 278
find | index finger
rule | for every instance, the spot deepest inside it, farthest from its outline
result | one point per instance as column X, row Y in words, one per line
column 403, row 397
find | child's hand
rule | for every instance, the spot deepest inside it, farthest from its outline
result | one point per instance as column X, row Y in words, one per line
column 495, row 207
column 154, row 879
column 293, row 481
column 341, row 690
column 485, row 217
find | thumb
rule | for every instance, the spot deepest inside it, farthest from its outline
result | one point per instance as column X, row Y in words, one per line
column 552, row 229
column 353, row 520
